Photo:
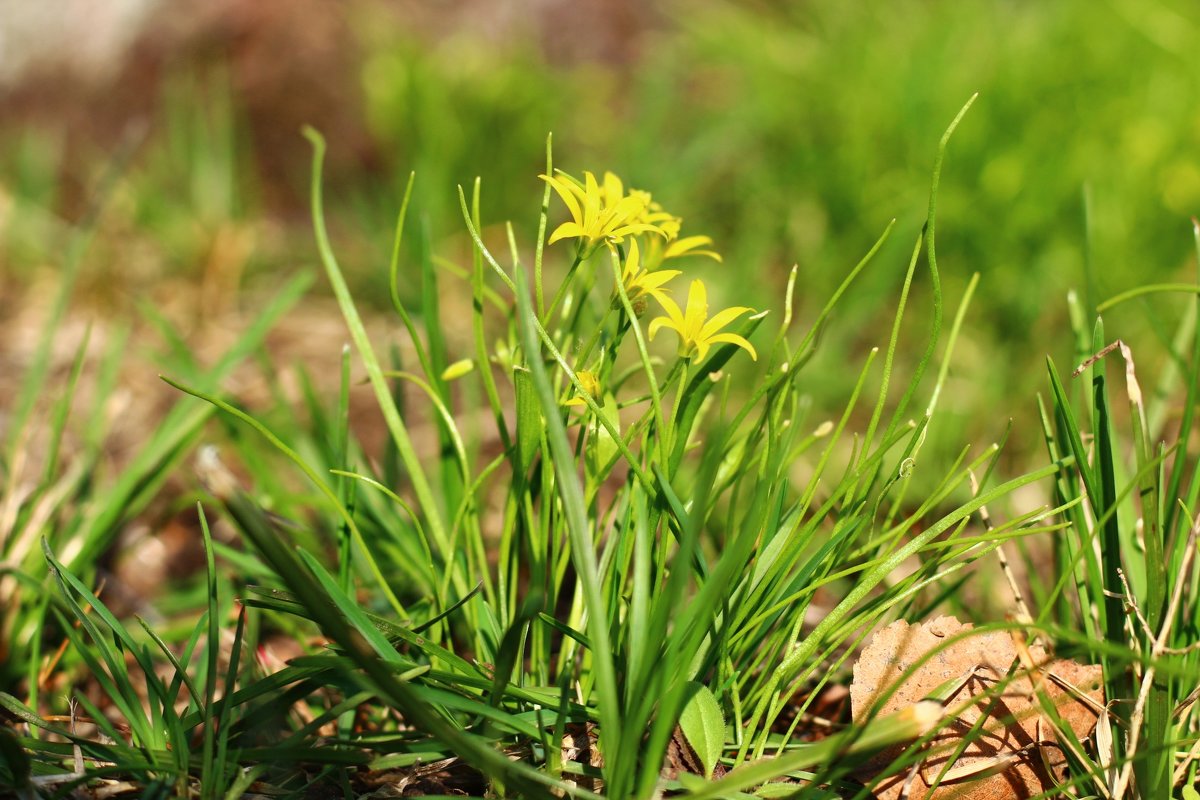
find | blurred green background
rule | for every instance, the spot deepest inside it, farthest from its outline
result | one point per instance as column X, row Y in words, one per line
column 790, row 132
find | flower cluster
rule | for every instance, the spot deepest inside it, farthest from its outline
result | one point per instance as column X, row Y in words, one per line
column 599, row 215
column 604, row 213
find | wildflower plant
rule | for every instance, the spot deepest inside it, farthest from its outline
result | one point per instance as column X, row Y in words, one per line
column 653, row 559
column 625, row 556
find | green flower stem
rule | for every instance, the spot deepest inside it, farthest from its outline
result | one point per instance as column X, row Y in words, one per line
column 668, row 437
column 644, row 354
column 586, row 351
column 541, row 234
column 577, row 309
column 580, row 255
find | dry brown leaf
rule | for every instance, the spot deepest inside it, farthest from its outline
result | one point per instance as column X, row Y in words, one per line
column 1015, row 731
column 580, row 744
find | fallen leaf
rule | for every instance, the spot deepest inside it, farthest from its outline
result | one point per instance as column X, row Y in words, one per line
column 1002, row 761
column 579, row 744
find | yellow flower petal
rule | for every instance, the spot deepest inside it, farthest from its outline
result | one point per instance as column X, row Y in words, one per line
column 566, row 230
column 627, row 208
column 618, row 234
column 564, row 191
column 652, row 280
column 721, row 319
column 591, row 201
column 658, row 322
column 588, row 380
column 591, row 385
column 733, row 338
column 687, row 247
column 632, row 261
column 697, row 309
column 614, row 190
column 659, row 294
column 674, row 315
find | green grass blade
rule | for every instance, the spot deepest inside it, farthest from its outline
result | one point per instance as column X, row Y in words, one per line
column 583, row 553
column 358, row 334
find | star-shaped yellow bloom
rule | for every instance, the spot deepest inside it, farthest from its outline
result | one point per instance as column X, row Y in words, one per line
column 662, row 247
column 697, row 333
column 596, row 218
column 640, row 283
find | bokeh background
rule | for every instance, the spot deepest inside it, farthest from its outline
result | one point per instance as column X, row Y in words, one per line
column 792, row 132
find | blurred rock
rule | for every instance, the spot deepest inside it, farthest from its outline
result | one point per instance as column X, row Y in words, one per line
column 89, row 40
column 91, row 68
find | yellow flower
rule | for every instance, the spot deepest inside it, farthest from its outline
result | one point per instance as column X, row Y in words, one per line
column 696, row 331
column 655, row 214
column 595, row 216
column 640, row 283
column 612, row 191
column 591, row 385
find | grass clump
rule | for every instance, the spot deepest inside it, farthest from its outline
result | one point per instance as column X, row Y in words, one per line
column 581, row 564
column 1125, row 561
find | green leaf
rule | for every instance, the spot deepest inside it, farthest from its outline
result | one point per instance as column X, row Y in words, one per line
column 1190, row 793
column 14, row 762
column 703, row 726
column 529, row 420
